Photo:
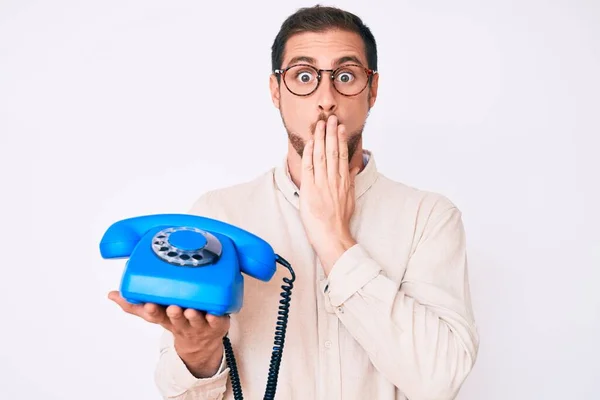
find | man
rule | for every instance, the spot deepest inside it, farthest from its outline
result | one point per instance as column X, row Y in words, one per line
column 381, row 306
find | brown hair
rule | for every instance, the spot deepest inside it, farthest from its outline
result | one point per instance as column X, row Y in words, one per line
column 321, row 19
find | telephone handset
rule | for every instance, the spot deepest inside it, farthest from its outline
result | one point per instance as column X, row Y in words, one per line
column 196, row 262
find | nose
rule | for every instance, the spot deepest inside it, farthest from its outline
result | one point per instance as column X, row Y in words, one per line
column 327, row 95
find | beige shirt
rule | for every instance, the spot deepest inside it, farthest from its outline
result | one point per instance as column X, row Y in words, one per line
column 393, row 320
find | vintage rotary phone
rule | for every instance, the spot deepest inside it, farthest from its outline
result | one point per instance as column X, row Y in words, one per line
column 196, row 262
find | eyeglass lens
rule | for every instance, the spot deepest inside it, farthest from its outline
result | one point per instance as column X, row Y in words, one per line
column 348, row 80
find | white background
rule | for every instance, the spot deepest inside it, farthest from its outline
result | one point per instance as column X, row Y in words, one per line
column 112, row 109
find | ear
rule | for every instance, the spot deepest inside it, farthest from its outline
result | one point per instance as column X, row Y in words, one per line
column 373, row 90
column 274, row 88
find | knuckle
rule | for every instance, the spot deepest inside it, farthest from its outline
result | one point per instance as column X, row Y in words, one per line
column 150, row 309
column 190, row 314
column 174, row 313
column 151, row 313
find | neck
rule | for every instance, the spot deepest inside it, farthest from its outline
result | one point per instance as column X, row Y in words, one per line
column 294, row 162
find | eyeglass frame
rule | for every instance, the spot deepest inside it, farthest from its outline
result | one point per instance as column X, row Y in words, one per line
column 370, row 73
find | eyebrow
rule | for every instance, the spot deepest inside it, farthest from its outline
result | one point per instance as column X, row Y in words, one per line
column 312, row 61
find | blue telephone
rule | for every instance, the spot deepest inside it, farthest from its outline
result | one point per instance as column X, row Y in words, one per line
column 196, row 262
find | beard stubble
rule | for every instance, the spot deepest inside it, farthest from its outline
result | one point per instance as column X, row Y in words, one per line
column 298, row 142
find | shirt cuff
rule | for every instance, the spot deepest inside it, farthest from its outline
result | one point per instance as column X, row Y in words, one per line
column 182, row 377
column 353, row 270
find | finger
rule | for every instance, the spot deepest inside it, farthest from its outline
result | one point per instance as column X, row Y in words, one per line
column 195, row 318
column 156, row 314
column 331, row 148
column 344, row 162
column 308, row 176
column 149, row 312
column 319, row 154
column 134, row 309
column 175, row 314
column 355, row 171
column 219, row 323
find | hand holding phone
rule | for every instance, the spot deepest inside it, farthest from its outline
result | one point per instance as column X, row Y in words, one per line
column 198, row 336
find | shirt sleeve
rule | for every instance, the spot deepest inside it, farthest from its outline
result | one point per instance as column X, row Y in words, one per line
column 175, row 381
column 172, row 377
column 419, row 333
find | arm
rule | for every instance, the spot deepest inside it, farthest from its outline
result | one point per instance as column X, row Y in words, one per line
column 176, row 382
column 173, row 378
column 420, row 333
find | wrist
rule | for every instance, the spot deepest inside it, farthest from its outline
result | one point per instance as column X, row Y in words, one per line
column 202, row 361
column 333, row 250
column 346, row 242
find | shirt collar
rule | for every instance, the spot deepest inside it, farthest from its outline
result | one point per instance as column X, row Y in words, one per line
column 364, row 180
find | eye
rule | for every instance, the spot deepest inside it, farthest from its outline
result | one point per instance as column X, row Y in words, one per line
column 305, row 76
column 345, row 76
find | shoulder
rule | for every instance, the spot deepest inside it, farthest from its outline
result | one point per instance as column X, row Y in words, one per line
column 425, row 213
column 422, row 203
column 214, row 202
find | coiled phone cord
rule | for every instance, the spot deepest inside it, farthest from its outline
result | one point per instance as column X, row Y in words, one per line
column 233, row 372
column 277, row 353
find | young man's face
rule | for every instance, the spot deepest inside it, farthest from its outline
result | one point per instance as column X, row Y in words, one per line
column 326, row 50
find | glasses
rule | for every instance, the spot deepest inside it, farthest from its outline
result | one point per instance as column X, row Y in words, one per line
column 304, row 79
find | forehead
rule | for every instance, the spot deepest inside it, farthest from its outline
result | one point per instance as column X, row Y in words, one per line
column 325, row 47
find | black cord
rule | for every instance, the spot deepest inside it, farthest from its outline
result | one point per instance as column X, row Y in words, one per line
column 280, row 330
column 233, row 371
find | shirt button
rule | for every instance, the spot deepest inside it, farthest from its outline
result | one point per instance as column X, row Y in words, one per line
column 340, row 310
column 328, row 344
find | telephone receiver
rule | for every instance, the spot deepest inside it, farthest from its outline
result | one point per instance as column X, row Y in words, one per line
column 187, row 260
